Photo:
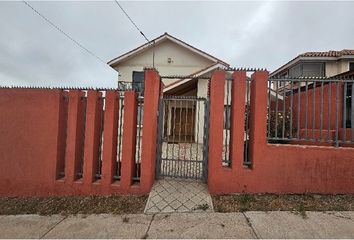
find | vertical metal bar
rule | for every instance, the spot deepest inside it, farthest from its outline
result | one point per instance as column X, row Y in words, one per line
column 226, row 110
column 100, row 149
column 284, row 117
column 185, row 141
column 314, row 86
column 321, row 111
column 172, row 163
column 337, row 110
column 140, row 112
column 160, row 128
column 122, row 111
column 192, row 138
column 247, row 113
column 81, row 170
column 198, row 111
column 329, row 109
column 345, row 112
column 306, row 107
column 298, row 109
column 166, row 124
column 291, row 108
column 352, row 111
column 178, row 162
column 204, row 163
column 269, row 104
column 276, row 108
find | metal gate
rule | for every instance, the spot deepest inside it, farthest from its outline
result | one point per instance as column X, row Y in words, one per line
column 183, row 126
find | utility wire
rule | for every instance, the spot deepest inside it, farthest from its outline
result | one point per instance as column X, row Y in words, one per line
column 131, row 20
column 67, row 35
column 141, row 32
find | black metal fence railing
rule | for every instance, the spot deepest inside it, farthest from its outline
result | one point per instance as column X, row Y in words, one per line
column 226, row 159
column 138, row 152
column 312, row 110
column 117, row 174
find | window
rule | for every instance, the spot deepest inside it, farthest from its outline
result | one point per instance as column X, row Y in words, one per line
column 351, row 66
column 307, row 70
column 138, row 82
column 227, row 117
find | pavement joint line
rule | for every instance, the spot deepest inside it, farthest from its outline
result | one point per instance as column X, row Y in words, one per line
column 249, row 223
column 146, row 235
column 65, row 217
column 338, row 216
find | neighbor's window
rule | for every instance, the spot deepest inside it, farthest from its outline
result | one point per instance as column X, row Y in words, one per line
column 351, row 66
column 227, row 117
column 138, row 81
column 307, row 70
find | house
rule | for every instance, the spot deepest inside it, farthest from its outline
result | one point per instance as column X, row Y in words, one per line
column 172, row 57
column 318, row 64
column 321, row 105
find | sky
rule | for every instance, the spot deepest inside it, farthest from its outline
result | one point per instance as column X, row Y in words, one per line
column 244, row 34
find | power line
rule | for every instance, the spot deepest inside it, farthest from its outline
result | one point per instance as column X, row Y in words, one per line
column 60, row 30
column 140, row 31
column 131, row 20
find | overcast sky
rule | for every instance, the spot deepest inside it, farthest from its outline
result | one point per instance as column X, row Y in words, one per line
column 244, row 34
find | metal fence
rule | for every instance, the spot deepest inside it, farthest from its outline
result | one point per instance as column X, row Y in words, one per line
column 226, row 159
column 183, row 137
column 102, row 107
column 311, row 110
column 139, row 116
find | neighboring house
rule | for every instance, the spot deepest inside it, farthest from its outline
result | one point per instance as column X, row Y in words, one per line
column 172, row 57
column 331, row 64
column 318, row 64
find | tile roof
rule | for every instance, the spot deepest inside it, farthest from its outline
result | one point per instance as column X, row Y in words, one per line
column 330, row 53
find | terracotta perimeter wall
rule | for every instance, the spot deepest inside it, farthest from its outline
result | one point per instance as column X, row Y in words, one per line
column 275, row 168
column 42, row 147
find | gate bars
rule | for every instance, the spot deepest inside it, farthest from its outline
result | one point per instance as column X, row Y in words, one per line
column 183, row 137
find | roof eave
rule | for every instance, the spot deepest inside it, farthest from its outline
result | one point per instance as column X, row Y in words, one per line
column 114, row 62
column 302, row 58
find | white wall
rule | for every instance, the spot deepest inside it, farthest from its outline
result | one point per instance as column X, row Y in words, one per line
column 336, row 67
column 184, row 62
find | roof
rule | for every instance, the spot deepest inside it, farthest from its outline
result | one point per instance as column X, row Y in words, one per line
column 346, row 74
column 163, row 37
column 329, row 55
column 195, row 75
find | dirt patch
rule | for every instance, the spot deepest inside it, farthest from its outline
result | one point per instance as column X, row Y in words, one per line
column 73, row 205
column 283, row 202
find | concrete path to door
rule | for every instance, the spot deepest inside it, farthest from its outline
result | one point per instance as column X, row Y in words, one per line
column 182, row 225
column 179, row 195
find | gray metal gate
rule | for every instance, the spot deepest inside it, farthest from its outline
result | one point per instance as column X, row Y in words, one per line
column 183, row 137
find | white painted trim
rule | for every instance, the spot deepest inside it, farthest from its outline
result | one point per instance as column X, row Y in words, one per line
column 172, row 86
column 162, row 38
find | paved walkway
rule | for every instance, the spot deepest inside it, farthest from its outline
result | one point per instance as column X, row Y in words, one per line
column 182, row 225
column 179, row 195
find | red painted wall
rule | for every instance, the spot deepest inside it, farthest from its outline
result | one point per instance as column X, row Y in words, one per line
column 276, row 168
column 45, row 134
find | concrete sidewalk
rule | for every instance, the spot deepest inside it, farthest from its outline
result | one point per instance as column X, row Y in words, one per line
column 182, row 225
